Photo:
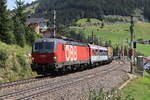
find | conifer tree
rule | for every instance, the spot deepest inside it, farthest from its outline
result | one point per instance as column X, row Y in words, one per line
column 19, row 24
column 19, row 32
column 19, row 11
column 23, row 32
column 6, row 33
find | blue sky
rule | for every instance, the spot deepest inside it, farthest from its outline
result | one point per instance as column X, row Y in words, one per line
column 11, row 3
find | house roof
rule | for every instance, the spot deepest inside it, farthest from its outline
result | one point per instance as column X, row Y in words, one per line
column 36, row 20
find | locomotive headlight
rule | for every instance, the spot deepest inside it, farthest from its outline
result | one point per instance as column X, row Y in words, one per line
column 55, row 58
column 32, row 59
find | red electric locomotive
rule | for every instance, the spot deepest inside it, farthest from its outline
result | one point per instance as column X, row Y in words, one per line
column 49, row 54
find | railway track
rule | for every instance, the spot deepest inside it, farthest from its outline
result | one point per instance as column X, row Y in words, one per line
column 21, row 82
column 18, row 82
column 29, row 93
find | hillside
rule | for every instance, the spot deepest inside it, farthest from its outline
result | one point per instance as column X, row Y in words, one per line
column 138, row 88
column 14, row 62
column 30, row 9
column 15, row 49
column 68, row 11
column 86, row 21
column 120, row 34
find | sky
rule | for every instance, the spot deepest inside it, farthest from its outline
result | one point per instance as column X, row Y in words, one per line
column 11, row 3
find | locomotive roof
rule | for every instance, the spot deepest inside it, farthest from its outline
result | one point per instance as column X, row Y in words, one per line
column 61, row 41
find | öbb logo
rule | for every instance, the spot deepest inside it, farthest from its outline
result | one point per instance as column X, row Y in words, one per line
column 71, row 53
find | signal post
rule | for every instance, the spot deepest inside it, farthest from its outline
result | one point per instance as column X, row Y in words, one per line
column 132, row 44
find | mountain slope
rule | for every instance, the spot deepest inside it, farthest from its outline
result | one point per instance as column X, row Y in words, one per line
column 69, row 11
column 120, row 34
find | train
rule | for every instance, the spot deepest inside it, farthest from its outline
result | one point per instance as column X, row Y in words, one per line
column 57, row 54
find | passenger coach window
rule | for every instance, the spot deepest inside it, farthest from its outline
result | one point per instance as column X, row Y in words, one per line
column 97, row 53
column 103, row 53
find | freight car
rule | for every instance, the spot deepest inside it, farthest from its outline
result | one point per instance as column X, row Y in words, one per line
column 52, row 54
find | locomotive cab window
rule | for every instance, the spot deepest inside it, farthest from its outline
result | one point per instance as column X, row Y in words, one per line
column 44, row 47
column 38, row 46
column 49, row 45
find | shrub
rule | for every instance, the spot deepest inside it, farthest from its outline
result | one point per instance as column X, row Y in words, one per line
column 24, row 65
column 99, row 94
column 31, row 36
column 3, row 58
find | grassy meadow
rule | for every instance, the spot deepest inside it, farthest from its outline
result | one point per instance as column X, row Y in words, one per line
column 138, row 89
column 120, row 34
column 85, row 21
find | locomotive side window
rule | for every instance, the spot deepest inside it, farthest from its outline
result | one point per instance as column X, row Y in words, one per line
column 63, row 47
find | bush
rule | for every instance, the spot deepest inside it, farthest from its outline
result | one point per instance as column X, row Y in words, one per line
column 31, row 36
column 113, row 19
column 17, row 67
column 3, row 58
column 99, row 94
column 24, row 67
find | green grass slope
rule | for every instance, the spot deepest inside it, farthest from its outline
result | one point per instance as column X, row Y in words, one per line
column 31, row 9
column 138, row 89
column 120, row 34
column 14, row 62
column 86, row 21
column 15, row 49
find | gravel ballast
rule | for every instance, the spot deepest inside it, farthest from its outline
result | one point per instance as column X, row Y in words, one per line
column 81, row 90
column 104, row 77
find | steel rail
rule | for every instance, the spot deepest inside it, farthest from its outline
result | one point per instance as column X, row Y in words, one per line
column 65, row 85
column 50, row 84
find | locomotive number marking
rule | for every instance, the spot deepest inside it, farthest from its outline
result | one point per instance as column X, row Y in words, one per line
column 71, row 53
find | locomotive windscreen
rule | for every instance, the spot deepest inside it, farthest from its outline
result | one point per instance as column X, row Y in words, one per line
column 43, row 47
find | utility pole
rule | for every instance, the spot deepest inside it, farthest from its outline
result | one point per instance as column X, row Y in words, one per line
column 54, row 23
column 132, row 43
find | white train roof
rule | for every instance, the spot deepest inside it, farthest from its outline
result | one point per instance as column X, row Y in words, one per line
column 97, row 47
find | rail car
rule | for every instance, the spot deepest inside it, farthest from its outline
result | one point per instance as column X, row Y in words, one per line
column 52, row 54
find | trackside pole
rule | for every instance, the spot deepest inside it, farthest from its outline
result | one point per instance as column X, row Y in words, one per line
column 132, row 44
column 54, row 23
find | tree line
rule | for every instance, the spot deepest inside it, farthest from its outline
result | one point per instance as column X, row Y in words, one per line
column 68, row 11
column 13, row 28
